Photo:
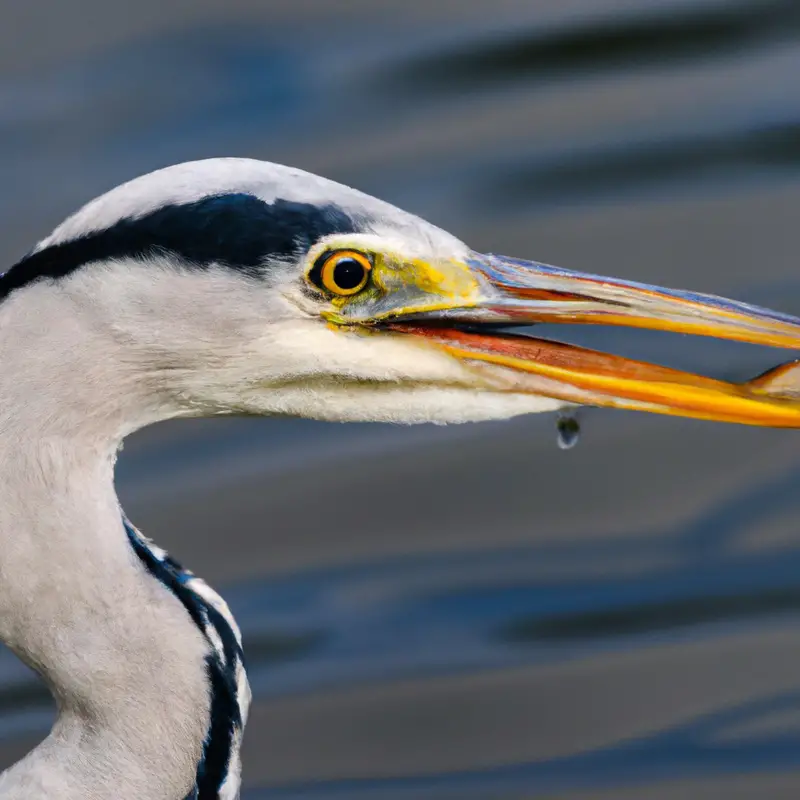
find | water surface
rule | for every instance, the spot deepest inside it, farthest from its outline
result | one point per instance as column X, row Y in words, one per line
column 501, row 619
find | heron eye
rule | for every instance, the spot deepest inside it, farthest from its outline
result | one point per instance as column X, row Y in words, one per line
column 341, row 272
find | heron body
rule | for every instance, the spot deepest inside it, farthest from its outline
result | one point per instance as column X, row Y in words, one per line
column 233, row 286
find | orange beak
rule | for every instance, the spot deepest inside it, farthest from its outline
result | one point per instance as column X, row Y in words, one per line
column 515, row 292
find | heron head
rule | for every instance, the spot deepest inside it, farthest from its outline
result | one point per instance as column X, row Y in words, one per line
column 465, row 304
column 249, row 287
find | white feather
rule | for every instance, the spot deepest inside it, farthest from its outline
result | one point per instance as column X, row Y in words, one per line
column 116, row 346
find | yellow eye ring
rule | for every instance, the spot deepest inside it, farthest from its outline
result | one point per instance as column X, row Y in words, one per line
column 341, row 272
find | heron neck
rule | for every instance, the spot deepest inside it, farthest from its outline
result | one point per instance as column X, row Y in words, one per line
column 123, row 659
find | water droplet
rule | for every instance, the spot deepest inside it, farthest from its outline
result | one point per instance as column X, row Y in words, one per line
column 569, row 431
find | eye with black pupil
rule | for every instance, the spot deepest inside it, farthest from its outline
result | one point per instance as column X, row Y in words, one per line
column 348, row 273
column 341, row 272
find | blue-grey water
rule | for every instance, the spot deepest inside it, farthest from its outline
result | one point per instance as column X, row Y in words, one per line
column 499, row 618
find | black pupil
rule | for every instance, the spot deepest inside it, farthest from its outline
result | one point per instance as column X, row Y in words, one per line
column 348, row 273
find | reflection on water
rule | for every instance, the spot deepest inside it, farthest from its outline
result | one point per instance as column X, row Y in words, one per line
column 500, row 619
column 668, row 34
column 663, row 756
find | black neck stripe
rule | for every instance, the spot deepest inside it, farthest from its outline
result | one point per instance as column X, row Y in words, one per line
column 235, row 230
column 225, row 713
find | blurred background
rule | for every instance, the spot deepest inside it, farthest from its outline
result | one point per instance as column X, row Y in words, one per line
column 508, row 620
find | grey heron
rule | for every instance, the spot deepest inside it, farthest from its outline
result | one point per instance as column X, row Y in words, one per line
column 234, row 286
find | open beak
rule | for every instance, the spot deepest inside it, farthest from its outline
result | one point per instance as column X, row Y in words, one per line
column 514, row 292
